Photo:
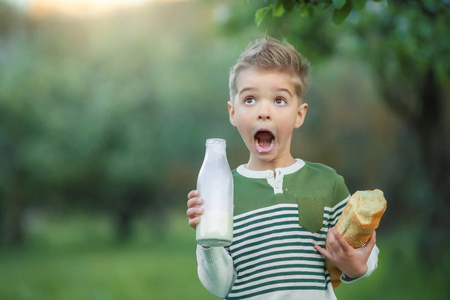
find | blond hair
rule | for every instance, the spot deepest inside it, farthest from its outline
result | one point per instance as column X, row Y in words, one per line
column 268, row 53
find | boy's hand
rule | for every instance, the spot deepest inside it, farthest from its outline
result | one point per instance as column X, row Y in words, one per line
column 194, row 210
column 352, row 262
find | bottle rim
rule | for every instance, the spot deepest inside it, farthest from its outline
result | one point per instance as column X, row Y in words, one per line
column 216, row 141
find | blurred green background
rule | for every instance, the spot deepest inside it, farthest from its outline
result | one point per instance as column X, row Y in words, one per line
column 104, row 112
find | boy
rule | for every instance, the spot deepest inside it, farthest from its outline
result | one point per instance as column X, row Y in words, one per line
column 285, row 208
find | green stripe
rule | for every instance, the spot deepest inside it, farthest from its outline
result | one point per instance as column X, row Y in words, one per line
column 293, row 244
column 321, row 266
column 267, row 219
column 340, row 206
column 238, row 283
column 326, row 217
column 301, row 233
column 324, row 287
column 297, row 266
column 270, row 225
column 289, row 258
column 287, row 288
column 260, row 213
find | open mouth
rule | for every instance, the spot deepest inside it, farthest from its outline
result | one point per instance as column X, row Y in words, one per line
column 264, row 141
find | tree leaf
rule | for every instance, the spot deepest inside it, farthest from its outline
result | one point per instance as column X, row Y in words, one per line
column 278, row 10
column 311, row 11
column 339, row 15
column 303, row 10
column 359, row 4
column 260, row 15
column 338, row 4
column 289, row 5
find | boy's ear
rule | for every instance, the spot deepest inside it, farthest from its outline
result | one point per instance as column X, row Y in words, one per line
column 301, row 114
column 231, row 113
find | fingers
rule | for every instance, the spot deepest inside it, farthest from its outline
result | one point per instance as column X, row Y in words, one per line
column 371, row 242
column 194, row 199
column 194, row 210
column 194, row 214
column 322, row 251
column 373, row 238
column 193, row 222
column 338, row 242
column 193, row 193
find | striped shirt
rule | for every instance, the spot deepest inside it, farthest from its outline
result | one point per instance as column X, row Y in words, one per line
column 279, row 217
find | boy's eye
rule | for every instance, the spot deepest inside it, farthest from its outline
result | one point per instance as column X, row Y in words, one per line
column 249, row 100
column 281, row 101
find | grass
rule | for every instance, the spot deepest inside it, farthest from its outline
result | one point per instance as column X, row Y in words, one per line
column 76, row 257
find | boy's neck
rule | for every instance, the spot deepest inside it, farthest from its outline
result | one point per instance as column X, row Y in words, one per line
column 255, row 164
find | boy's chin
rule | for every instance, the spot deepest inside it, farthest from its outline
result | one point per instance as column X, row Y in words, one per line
column 264, row 157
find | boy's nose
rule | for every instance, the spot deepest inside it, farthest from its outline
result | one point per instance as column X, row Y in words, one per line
column 264, row 113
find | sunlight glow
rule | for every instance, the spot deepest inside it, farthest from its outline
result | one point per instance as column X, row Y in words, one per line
column 83, row 7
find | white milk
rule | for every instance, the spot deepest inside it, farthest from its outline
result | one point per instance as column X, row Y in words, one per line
column 215, row 229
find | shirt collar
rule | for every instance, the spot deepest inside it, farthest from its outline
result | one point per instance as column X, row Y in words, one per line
column 242, row 170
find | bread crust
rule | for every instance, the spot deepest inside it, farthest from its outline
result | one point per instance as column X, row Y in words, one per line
column 360, row 218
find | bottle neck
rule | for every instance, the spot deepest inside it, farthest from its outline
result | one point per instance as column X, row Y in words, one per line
column 215, row 149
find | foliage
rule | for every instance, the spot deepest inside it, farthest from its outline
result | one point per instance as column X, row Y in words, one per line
column 105, row 114
column 340, row 8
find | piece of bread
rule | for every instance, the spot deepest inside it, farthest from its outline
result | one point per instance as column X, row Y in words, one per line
column 360, row 218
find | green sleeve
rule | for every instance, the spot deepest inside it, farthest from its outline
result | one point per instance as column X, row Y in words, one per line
column 340, row 190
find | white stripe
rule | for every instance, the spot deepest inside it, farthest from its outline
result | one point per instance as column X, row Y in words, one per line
column 281, row 217
column 241, row 218
column 267, row 233
column 312, row 266
column 279, row 285
column 300, row 258
column 264, row 234
column 283, row 277
column 275, row 273
column 296, row 294
column 301, row 233
column 341, row 203
column 335, row 208
column 269, row 256
column 306, row 237
column 314, row 253
column 265, row 229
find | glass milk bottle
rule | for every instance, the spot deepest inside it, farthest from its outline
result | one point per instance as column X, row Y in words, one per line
column 215, row 184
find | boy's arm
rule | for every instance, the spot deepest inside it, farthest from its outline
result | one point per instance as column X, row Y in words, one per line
column 215, row 270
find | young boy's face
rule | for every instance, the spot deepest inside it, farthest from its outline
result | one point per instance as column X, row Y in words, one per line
column 266, row 110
